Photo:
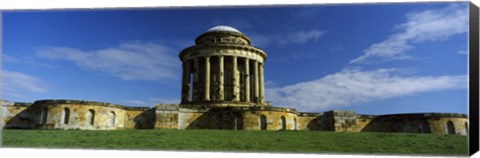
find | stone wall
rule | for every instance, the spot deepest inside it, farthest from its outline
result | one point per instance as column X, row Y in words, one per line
column 275, row 119
column 74, row 114
column 16, row 115
column 438, row 124
column 364, row 120
column 166, row 116
column 139, row 118
column 65, row 114
column 238, row 118
column 417, row 123
column 343, row 120
column 335, row 120
column 307, row 121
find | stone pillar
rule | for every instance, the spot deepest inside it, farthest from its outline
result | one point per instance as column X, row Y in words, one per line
column 220, row 79
column 186, row 82
column 247, row 81
column 196, row 67
column 261, row 83
column 255, row 82
column 207, row 79
column 236, row 80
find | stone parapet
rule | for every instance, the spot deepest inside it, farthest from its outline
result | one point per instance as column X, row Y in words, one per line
column 234, row 108
column 416, row 115
column 167, row 107
column 84, row 102
column 212, row 104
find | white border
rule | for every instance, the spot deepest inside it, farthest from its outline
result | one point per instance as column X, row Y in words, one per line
column 88, row 4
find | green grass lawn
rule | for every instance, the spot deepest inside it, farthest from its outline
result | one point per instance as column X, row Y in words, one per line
column 244, row 141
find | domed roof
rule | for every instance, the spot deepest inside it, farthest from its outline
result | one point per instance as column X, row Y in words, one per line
column 223, row 28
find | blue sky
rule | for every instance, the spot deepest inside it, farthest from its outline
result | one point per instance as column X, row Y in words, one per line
column 371, row 58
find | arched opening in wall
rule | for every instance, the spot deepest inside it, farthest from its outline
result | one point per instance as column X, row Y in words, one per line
column 450, row 128
column 425, row 127
column 466, row 127
column 294, row 123
column 90, row 117
column 239, row 123
column 263, row 122
column 284, row 123
column 66, row 115
column 44, row 115
column 112, row 119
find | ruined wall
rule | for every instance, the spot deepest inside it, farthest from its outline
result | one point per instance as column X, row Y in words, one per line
column 211, row 118
column 139, row 118
column 364, row 120
column 418, row 123
column 3, row 115
column 16, row 115
column 335, row 120
column 307, row 121
column 273, row 119
column 76, row 114
column 238, row 118
column 67, row 114
column 343, row 120
column 166, row 116
column 438, row 124
column 316, row 122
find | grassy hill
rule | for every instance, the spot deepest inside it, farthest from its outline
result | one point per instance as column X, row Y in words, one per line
column 244, row 141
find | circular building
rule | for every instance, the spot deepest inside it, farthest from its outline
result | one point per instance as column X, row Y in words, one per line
column 222, row 69
column 223, row 85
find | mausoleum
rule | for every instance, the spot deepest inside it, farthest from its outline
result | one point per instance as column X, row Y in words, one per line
column 222, row 88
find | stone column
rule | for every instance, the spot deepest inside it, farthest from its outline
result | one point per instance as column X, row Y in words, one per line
column 255, row 82
column 247, row 81
column 195, row 79
column 207, row 79
column 261, row 83
column 220, row 78
column 236, row 80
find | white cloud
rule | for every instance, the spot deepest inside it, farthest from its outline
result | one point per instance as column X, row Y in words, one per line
column 15, row 84
column 259, row 40
column 350, row 87
column 426, row 26
column 294, row 57
column 302, row 37
column 335, row 49
column 462, row 52
column 128, row 61
column 297, row 37
column 270, row 83
column 24, row 60
column 9, row 59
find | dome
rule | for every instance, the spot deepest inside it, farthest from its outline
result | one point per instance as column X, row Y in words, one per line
column 223, row 28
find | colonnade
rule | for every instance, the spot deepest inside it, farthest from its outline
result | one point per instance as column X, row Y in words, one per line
column 222, row 78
